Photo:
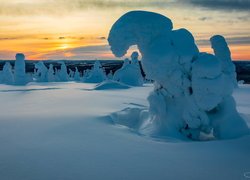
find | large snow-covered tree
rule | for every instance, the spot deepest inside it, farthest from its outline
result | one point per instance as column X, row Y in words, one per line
column 193, row 92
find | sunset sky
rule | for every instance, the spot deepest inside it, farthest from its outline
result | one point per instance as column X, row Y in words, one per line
column 78, row 29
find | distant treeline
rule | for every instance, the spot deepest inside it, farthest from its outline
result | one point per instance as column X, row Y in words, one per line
column 242, row 67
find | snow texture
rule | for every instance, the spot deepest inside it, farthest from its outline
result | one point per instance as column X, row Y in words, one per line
column 62, row 130
column 192, row 97
column 110, row 84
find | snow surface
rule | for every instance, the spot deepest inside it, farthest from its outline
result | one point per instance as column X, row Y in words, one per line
column 64, row 131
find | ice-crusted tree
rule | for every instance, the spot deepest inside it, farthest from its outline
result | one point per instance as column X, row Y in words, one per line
column 19, row 70
column 41, row 74
column 130, row 72
column 96, row 74
column 77, row 75
column 222, row 52
column 7, row 76
column 51, row 74
column 110, row 75
column 192, row 94
column 126, row 61
column 71, row 74
column 134, row 58
column 63, row 73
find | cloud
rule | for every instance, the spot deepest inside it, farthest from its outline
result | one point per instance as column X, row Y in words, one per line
column 204, row 18
column 101, row 38
column 11, row 38
column 47, row 7
column 79, row 53
column 231, row 41
column 243, row 5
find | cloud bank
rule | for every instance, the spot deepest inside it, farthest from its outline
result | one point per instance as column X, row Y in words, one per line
column 241, row 5
column 59, row 7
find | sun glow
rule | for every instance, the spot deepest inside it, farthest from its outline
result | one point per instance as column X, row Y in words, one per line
column 49, row 33
column 64, row 46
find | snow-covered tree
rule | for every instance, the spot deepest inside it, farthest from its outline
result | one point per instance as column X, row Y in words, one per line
column 130, row 72
column 41, row 74
column 192, row 94
column 51, row 74
column 71, row 74
column 19, row 70
column 110, row 75
column 95, row 75
column 77, row 75
column 7, row 76
column 222, row 52
column 134, row 58
column 63, row 74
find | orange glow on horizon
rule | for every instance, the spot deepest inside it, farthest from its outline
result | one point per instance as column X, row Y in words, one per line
column 238, row 52
column 61, row 36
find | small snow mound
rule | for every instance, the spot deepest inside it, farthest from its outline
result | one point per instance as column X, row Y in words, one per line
column 109, row 84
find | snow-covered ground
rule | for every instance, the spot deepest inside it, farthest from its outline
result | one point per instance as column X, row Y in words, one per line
column 63, row 131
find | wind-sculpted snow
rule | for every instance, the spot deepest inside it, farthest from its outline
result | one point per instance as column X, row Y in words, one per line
column 193, row 90
column 130, row 72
